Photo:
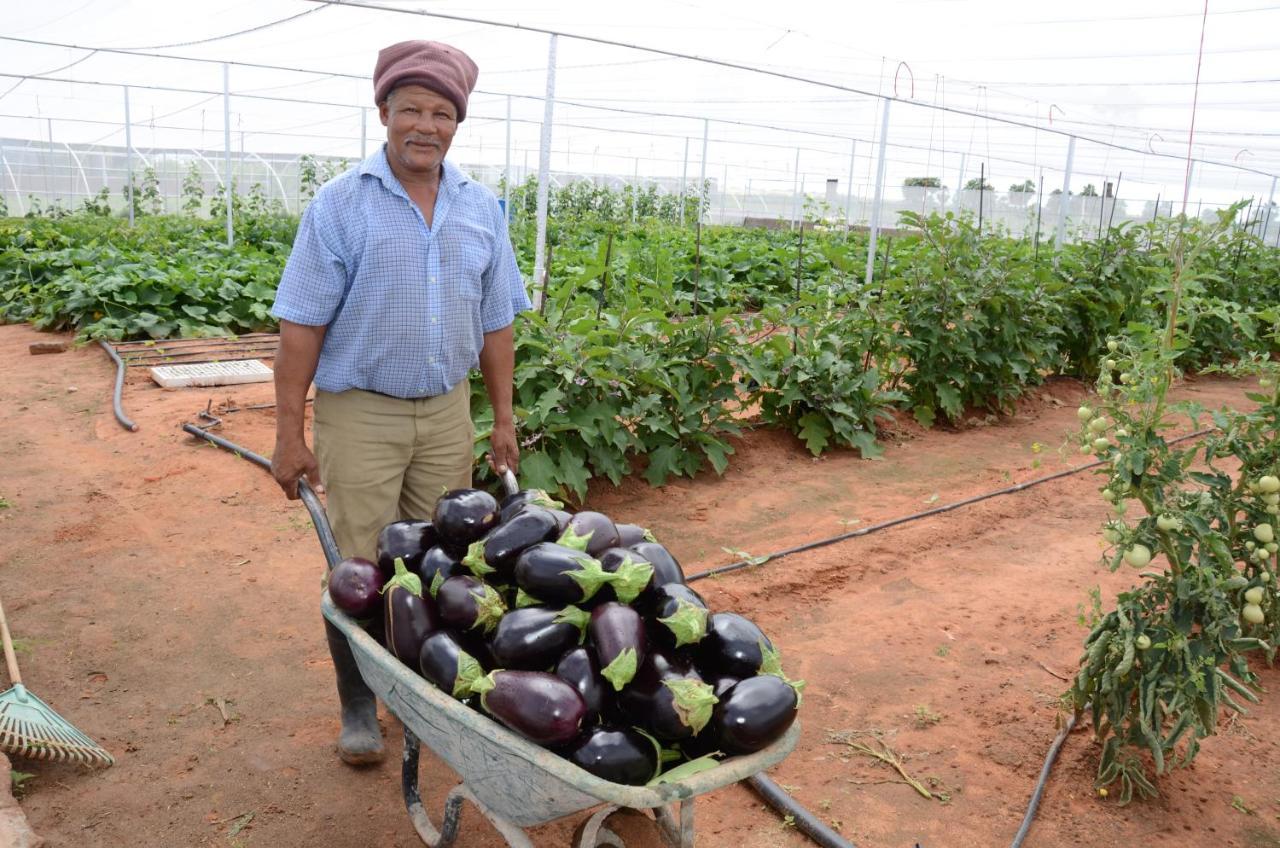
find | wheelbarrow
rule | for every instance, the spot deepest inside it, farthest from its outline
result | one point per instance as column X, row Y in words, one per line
column 512, row 782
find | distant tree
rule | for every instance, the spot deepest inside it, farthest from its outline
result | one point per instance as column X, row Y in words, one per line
column 1089, row 191
column 922, row 182
column 1025, row 186
column 978, row 184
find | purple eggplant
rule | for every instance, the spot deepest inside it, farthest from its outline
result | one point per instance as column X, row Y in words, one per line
column 633, row 534
column 665, row 568
column 438, row 565
column 579, row 668
column 617, row 632
column 355, row 584
column 496, row 553
column 754, row 713
column 557, row 575
column 678, row 615
column 512, row 504
column 617, row 754
column 464, row 516
column 733, row 646
column 668, row 698
column 720, row 685
column 592, row 532
column 408, row 617
column 562, row 519
column 408, row 540
column 469, row 604
column 533, row 638
column 632, row 574
column 445, row 661
column 537, row 705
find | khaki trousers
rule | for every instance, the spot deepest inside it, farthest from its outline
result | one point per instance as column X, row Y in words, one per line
column 384, row 459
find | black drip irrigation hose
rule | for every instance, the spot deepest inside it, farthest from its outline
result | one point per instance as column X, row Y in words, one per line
column 773, row 794
column 894, row 522
column 125, row 421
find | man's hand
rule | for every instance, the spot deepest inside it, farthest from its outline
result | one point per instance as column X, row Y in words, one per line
column 291, row 461
column 504, row 450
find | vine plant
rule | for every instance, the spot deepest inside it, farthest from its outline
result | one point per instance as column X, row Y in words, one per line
column 1198, row 520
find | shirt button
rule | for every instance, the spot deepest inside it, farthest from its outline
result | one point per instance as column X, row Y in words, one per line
column 435, row 320
column 432, row 280
column 431, row 360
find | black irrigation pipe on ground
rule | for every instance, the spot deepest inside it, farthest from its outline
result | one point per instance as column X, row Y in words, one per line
column 894, row 522
column 125, row 421
column 773, row 794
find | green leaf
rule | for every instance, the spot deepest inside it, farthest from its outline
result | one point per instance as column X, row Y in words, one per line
column 686, row 770
column 924, row 415
column 815, row 432
column 663, row 463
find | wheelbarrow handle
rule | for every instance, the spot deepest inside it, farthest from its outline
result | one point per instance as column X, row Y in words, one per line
column 509, row 482
column 320, row 521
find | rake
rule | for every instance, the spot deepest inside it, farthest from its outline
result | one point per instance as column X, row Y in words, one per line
column 30, row 728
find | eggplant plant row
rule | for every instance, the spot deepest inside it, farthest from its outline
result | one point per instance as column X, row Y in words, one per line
column 576, row 632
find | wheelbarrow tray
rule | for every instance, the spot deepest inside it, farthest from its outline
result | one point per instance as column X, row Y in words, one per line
column 508, row 774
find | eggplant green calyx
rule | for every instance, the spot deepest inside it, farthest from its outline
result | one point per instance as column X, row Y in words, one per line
column 589, row 576
column 524, row 599
column 694, row 700
column 688, row 623
column 630, row 579
column 649, row 537
column 704, row 763
column 436, row 582
column 771, row 663
column 660, row 755
column 578, row 618
column 623, row 668
column 404, row 579
column 542, row 499
column 489, row 609
column 469, row 673
column 570, row 539
column 482, row 686
column 475, row 560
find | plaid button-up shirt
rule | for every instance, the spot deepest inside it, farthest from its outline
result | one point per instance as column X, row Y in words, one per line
column 406, row 305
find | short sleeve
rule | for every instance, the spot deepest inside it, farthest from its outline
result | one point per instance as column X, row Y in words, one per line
column 314, row 281
column 503, row 293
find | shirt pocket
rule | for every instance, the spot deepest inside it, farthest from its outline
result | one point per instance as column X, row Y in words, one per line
column 465, row 255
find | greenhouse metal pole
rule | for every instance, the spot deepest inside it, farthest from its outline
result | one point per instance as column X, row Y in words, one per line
column 17, row 194
column 364, row 131
column 702, row 172
column 848, row 195
column 128, row 154
column 879, row 195
column 226, row 145
column 1271, row 203
column 684, row 178
column 506, row 169
column 724, row 191
column 959, row 182
column 795, row 191
column 1064, row 199
column 544, row 175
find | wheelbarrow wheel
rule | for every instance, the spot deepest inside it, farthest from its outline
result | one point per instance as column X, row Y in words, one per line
column 595, row 831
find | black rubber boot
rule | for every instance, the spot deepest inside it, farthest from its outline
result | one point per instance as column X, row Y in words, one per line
column 360, row 742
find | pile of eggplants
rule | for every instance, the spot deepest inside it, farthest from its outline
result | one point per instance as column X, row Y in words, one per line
column 578, row 633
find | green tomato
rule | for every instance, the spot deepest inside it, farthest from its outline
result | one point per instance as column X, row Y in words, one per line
column 1263, row 533
column 1253, row 596
column 1113, row 345
column 1111, row 534
column 1084, row 413
column 1272, row 547
column 1269, row 483
column 1098, row 424
column 1265, row 382
column 1273, row 509
column 1265, row 577
column 1138, row 556
column 1271, row 498
column 1167, row 522
column 1101, row 443
column 1109, row 365
column 1252, row 613
column 1121, row 433
column 1250, row 544
column 1108, row 495
column 1142, row 642
column 1120, row 508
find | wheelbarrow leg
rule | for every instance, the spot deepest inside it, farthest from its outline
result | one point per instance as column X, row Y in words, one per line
column 448, row 832
column 678, row 834
column 593, row 834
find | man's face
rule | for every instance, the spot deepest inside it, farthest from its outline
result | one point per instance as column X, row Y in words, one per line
column 420, row 127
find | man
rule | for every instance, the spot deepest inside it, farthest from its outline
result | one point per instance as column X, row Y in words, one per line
column 401, row 280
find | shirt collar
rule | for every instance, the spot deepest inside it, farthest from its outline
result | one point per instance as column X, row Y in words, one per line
column 376, row 164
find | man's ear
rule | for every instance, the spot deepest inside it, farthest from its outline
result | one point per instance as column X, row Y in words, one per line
column 384, row 111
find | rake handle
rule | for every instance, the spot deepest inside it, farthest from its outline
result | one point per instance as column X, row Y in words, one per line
column 10, row 658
